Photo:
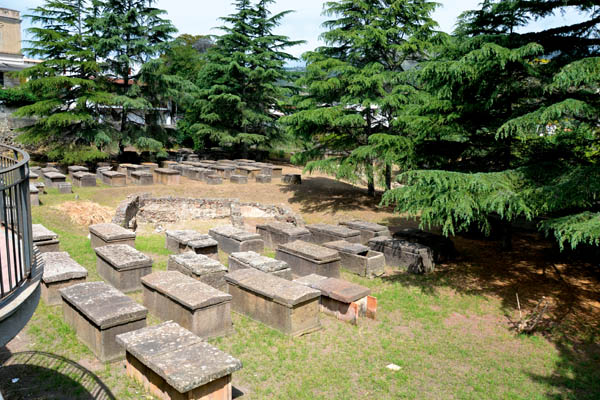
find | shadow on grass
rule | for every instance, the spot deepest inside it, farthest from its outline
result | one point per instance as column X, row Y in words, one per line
column 40, row 375
column 320, row 194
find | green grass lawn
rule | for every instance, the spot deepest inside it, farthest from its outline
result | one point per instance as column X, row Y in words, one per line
column 447, row 343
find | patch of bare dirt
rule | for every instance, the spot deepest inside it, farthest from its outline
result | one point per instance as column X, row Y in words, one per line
column 86, row 212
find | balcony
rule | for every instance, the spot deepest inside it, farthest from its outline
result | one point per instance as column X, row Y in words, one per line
column 20, row 269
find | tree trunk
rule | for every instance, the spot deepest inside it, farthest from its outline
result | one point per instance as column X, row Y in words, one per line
column 370, row 180
column 388, row 176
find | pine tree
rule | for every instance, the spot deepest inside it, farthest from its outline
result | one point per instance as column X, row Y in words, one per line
column 351, row 89
column 130, row 34
column 69, row 97
column 506, row 125
column 240, row 87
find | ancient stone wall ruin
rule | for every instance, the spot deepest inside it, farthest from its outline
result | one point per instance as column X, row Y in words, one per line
column 165, row 210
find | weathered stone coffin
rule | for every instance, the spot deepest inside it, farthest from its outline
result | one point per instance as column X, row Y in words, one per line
column 52, row 179
column 261, row 178
column 442, row 247
column 99, row 173
column 105, row 234
column 98, row 313
column 114, row 178
column 83, row 179
column 294, row 179
column 240, row 179
column 49, row 169
column 250, row 259
column 368, row 230
column 306, row 258
column 359, row 259
column 345, row 300
column 323, row 233
column 34, row 195
column 183, row 241
column 416, row 258
column 64, row 187
column 284, row 305
column 122, row 266
column 234, row 240
column 60, row 271
column 204, row 310
column 123, row 168
column 76, row 168
column 276, row 233
column 142, row 178
column 150, row 165
column 168, row 164
column 44, row 239
column 224, row 171
column 214, row 180
column 174, row 364
column 250, row 172
column 199, row 267
column 166, row 176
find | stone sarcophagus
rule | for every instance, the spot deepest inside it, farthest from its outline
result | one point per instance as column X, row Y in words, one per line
column 323, row 233
column 60, row 271
column 368, row 230
column 122, row 266
column 114, row 178
column 182, row 241
column 250, row 259
column 83, row 179
column 105, row 234
column 142, row 178
column 358, row 258
column 44, row 239
column 174, row 364
column 306, row 258
column 98, row 313
column 276, row 233
column 196, row 306
column 199, row 267
column 287, row 306
column 234, row 240
column 52, row 179
column 344, row 300
column 166, row 176
column 416, row 258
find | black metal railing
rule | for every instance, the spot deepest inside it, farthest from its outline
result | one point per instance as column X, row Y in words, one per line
column 16, row 243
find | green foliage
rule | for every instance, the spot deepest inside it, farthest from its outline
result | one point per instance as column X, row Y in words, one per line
column 505, row 125
column 239, row 88
column 351, row 88
column 16, row 97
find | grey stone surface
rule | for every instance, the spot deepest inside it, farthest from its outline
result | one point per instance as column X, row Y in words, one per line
column 104, row 305
column 52, row 179
column 323, row 233
column 241, row 179
column 181, row 358
column 232, row 239
column 308, row 258
column 114, row 178
column 84, row 179
column 347, row 247
column 276, row 233
column 180, row 241
column 250, row 259
column 279, row 290
column 59, row 266
column 335, row 288
column 200, row 267
column 123, row 257
column 294, row 179
column 143, row 177
column 248, row 171
column 416, row 258
column 64, row 187
column 45, row 170
column 442, row 247
column 214, row 179
column 368, row 230
column 262, row 178
column 108, row 233
column 41, row 233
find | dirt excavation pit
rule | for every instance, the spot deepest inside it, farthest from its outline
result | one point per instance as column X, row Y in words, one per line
column 85, row 213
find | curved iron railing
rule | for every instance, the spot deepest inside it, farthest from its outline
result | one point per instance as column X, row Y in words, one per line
column 16, row 242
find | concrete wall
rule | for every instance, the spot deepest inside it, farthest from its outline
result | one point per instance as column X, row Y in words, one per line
column 9, row 125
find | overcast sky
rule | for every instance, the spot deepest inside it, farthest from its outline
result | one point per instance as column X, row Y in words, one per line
column 201, row 16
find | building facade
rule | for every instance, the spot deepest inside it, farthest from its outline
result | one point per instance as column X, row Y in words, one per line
column 11, row 57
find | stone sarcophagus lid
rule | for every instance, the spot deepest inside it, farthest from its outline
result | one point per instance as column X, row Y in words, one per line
column 98, row 312
column 368, row 230
column 199, row 267
column 194, row 305
column 174, row 364
column 105, row 234
column 276, row 233
column 166, row 176
column 323, row 233
column 76, row 168
column 234, row 240
column 60, row 271
column 114, row 178
column 182, row 241
column 306, row 258
column 53, row 179
column 44, row 239
column 83, row 179
column 287, row 306
column 250, row 259
column 358, row 258
column 344, row 300
column 142, row 178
